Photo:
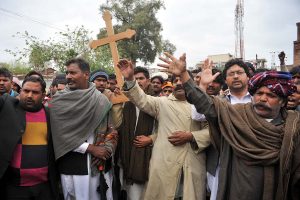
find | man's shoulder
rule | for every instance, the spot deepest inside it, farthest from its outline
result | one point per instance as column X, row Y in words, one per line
column 6, row 98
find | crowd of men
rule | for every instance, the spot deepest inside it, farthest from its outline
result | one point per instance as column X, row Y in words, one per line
column 204, row 134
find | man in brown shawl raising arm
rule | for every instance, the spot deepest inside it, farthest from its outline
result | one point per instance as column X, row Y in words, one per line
column 258, row 141
column 83, row 136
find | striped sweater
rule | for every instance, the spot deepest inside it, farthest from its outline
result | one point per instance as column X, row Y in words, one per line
column 29, row 165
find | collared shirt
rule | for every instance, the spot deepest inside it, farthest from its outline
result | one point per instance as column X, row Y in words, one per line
column 234, row 100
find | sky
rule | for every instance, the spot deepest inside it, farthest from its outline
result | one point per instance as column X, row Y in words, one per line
column 196, row 27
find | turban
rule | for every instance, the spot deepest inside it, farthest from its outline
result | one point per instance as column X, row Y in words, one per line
column 278, row 82
column 97, row 74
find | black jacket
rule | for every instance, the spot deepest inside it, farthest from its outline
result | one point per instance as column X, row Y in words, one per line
column 12, row 126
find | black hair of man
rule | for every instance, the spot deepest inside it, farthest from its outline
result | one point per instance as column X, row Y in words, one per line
column 261, row 70
column 219, row 79
column 174, row 77
column 82, row 64
column 61, row 79
column 295, row 70
column 250, row 65
column 33, row 72
column 6, row 73
column 196, row 71
column 54, row 83
column 235, row 61
column 142, row 70
column 161, row 80
column 112, row 77
column 35, row 80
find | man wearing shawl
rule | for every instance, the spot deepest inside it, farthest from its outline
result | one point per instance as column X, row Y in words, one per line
column 83, row 137
column 258, row 142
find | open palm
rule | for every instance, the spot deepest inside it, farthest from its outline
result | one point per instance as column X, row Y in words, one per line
column 206, row 74
column 174, row 65
column 126, row 69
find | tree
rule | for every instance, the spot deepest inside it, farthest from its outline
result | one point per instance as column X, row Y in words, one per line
column 139, row 15
column 70, row 44
column 17, row 68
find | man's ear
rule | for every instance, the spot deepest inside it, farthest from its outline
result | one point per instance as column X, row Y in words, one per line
column 87, row 75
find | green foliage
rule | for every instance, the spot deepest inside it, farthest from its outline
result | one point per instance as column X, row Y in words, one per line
column 70, row 44
column 16, row 68
column 139, row 15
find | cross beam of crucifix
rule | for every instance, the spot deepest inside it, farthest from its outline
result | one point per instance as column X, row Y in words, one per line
column 111, row 40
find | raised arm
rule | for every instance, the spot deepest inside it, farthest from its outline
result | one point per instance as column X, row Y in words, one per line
column 136, row 95
column 194, row 94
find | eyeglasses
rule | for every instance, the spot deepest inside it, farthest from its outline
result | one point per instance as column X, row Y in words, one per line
column 239, row 73
column 167, row 91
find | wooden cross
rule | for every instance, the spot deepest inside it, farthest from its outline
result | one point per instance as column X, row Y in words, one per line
column 111, row 40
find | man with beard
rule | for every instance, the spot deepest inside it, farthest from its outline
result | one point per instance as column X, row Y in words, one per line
column 177, row 150
column 236, row 83
column 83, row 136
column 157, row 82
column 236, row 75
column 135, row 139
column 258, row 142
column 6, row 83
column 27, row 164
column 294, row 99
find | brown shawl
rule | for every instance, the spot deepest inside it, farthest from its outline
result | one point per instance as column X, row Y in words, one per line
column 259, row 142
column 135, row 161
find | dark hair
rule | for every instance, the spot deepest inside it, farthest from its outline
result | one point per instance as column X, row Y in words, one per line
column 82, row 64
column 196, row 71
column 235, row 61
column 6, row 73
column 35, row 80
column 112, row 77
column 33, row 72
column 142, row 70
column 250, row 65
column 159, row 78
column 261, row 70
column 219, row 79
column 174, row 77
column 54, row 83
column 295, row 70
column 61, row 79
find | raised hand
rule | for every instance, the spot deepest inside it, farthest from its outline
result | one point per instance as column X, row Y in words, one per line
column 206, row 74
column 174, row 65
column 126, row 69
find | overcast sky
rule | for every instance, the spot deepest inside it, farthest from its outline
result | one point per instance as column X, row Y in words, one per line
column 197, row 27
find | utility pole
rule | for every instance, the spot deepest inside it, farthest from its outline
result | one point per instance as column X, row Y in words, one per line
column 239, row 30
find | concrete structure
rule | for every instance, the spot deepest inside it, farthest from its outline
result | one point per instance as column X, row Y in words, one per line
column 219, row 60
column 297, row 47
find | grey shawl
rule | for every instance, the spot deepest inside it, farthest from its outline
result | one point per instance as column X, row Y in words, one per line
column 74, row 116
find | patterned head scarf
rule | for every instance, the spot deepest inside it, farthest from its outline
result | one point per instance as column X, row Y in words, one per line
column 277, row 81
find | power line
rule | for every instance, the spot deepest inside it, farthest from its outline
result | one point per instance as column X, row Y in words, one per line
column 31, row 19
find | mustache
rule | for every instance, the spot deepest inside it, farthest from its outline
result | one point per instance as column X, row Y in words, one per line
column 210, row 88
column 178, row 87
column 70, row 81
column 262, row 105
